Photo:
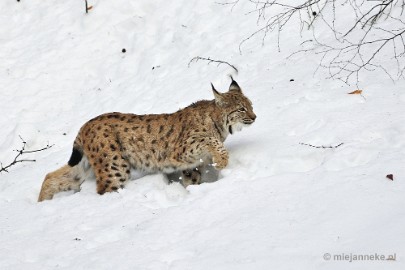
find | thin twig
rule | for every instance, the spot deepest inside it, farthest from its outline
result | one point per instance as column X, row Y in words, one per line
column 87, row 6
column 228, row 3
column 322, row 146
column 21, row 152
column 195, row 59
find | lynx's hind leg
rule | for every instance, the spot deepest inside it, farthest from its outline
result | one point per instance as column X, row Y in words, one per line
column 112, row 171
column 103, row 150
column 63, row 179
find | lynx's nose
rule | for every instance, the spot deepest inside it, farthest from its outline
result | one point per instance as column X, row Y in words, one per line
column 253, row 116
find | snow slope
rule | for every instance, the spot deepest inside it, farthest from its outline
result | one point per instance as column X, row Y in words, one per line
column 279, row 205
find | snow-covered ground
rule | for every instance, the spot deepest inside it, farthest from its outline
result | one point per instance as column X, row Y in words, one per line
column 279, row 205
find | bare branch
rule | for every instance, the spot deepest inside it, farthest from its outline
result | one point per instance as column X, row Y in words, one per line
column 21, row 152
column 322, row 146
column 362, row 45
column 195, row 59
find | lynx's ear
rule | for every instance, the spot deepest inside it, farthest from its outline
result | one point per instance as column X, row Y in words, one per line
column 219, row 99
column 234, row 86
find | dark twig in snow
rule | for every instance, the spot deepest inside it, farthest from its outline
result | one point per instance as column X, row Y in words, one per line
column 322, row 146
column 195, row 59
column 87, row 6
column 21, row 152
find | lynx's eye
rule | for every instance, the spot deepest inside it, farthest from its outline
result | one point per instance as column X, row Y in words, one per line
column 242, row 110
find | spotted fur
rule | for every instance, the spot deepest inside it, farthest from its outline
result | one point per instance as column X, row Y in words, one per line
column 111, row 144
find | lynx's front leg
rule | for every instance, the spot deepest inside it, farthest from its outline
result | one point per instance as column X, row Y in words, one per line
column 219, row 154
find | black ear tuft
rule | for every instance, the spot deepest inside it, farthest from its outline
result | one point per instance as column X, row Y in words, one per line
column 218, row 96
column 215, row 90
column 234, row 85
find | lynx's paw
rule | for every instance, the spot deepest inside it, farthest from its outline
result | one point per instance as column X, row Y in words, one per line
column 191, row 177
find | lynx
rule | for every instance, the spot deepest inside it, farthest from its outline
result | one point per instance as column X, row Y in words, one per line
column 110, row 144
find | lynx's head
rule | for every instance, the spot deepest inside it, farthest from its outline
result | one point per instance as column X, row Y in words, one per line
column 235, row 106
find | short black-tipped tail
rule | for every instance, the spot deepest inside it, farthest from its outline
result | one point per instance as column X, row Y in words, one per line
column 75, row 158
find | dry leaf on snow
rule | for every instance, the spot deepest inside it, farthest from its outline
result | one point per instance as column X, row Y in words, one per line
column 356, row 92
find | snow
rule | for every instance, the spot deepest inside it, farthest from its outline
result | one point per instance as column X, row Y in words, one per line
column 280, row 204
